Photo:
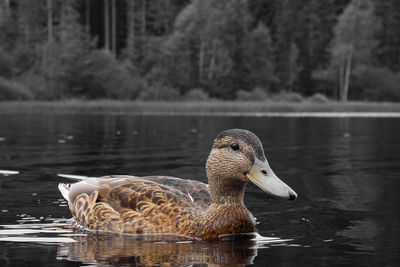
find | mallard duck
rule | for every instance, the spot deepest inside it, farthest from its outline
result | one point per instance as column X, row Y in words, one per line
column 169, row 205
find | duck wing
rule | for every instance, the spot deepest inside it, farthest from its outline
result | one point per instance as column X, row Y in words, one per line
column 197, row 192
column 131, row 204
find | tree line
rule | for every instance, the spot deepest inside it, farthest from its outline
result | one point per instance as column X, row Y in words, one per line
column 227, row 49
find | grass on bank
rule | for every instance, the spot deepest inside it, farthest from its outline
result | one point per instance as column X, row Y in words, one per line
column 187, row 107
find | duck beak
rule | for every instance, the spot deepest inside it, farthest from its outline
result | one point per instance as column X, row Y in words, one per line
column 262, row 175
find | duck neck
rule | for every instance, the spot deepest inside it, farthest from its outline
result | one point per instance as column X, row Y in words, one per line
column 230, row 192
column 227, row 213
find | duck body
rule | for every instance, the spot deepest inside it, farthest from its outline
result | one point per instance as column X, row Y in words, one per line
column 169, row 205
column 154, row 205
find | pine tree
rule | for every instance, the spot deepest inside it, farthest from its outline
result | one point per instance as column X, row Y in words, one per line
column 131, row 15
column 286, row 51
column 216, row 39
column 388, row 49
column 258, row 59
column 107, row 25
column 113, row 27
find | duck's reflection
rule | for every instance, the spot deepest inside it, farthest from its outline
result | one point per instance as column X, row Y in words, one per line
column 157, row 251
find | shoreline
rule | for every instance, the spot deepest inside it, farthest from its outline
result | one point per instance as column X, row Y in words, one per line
column 206, row 108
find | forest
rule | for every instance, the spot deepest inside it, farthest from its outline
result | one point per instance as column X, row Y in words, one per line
column 200, row 49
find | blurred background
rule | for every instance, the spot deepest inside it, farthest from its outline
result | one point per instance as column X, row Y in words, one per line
column 200, row 49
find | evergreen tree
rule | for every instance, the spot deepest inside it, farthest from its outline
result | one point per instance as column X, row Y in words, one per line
column 215, row 41
column 313, row 32
column 286, row 51
column 388, row 49
column 55, row 47
column 258, row 59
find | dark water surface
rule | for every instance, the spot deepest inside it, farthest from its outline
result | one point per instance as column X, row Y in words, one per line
column 345, row 170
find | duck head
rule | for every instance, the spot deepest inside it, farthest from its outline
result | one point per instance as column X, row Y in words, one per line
column 237, row 156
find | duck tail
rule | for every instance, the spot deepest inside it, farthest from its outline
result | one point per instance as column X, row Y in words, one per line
column 73, row 177
column 64, row 189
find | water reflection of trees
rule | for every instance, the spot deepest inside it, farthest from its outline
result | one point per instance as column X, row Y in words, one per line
column 345, row 170
column 350, row 172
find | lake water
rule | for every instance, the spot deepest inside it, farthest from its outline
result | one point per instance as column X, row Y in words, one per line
column 345, row 170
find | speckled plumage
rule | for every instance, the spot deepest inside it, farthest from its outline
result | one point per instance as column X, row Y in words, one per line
column 160, row 204
column 134, row 205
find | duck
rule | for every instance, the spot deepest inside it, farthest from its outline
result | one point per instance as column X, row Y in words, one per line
column 170, row 205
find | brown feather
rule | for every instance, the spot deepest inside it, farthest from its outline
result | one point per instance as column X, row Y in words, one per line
column 161, row 204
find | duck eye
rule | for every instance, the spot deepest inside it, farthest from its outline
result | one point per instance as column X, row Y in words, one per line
column 235, row 146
